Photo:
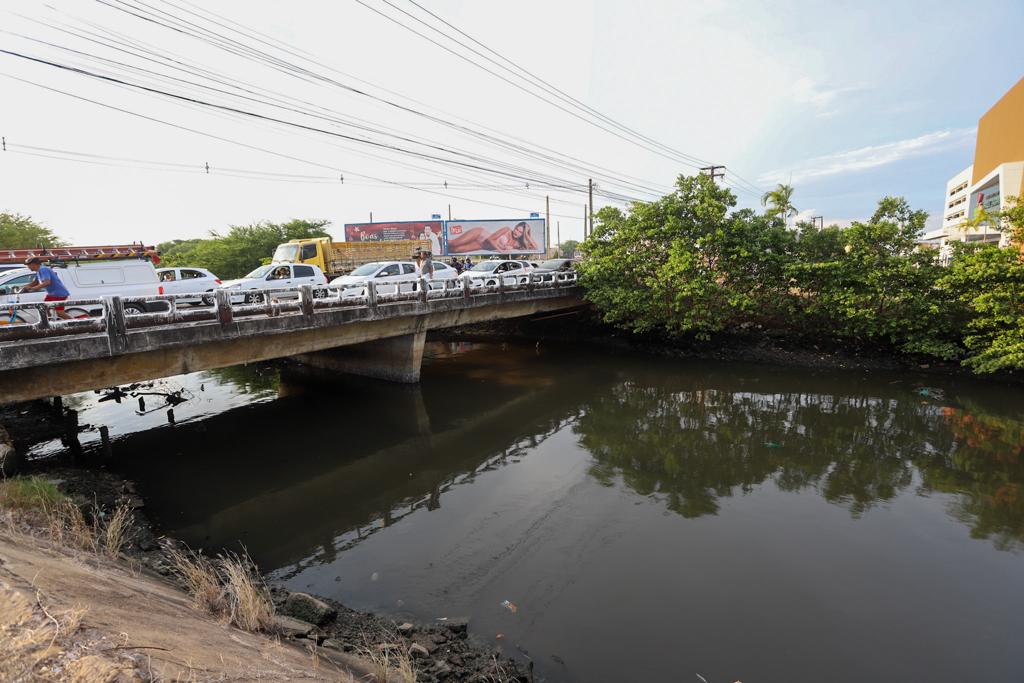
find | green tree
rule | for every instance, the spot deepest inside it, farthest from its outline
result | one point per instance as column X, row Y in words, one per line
column 685, row 264
column 988, row 281
column 241, row 249
column 779, row 202
column 881, row 288
column 21, row 232
column 568, row 248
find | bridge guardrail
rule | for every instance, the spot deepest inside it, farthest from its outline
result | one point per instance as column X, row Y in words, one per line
column 303, row 300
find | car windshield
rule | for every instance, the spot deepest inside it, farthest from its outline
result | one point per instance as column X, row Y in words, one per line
column 485, row 266
column 259, row 272
column 552, row 264
column 287, row 253
column 366, row 269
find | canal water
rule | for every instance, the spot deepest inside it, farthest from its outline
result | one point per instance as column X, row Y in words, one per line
column 616, row 517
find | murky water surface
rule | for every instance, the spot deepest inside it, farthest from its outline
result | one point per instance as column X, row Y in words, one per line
column 649, row 520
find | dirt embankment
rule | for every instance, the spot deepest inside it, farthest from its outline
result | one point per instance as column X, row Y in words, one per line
column 79, row 602
column 65, row 617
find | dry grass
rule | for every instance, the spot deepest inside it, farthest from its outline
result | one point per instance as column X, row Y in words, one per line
column 34, row 641
column 200, row 578
column 116, row 530
column 231, row 587
column 66, row 525
column 249, row 605
column 390, row 662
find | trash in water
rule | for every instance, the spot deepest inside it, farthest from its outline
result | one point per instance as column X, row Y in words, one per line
column 924, row 391
column 510, row 606
column 400, row 603
column 499, row 636
column 374, row 576
column 771, row 444
column 442, row 619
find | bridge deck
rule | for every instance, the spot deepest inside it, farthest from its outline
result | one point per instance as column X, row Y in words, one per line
column 53, row 358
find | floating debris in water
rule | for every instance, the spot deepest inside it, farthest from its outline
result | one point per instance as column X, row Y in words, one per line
column 510, row 606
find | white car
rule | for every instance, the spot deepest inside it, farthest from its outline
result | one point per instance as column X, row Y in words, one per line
column 510, row 271
column 401, row 273
column 189, row 281
column 88, row 280
column 274, row 276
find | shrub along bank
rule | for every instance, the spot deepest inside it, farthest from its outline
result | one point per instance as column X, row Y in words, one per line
column 691, row 266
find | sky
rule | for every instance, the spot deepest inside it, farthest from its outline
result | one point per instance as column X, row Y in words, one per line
column 347, row 113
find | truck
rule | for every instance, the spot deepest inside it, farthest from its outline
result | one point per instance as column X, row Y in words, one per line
column 341, row 258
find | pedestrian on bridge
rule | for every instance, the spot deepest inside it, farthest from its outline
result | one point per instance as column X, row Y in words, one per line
column 424, row 265
column 47, row 279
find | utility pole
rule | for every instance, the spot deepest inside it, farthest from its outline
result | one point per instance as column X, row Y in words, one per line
column 371, row 216
column 449, row 212
column 713, row 171
column 818, row 221
column 585, row 221
column 559, row 246
column 547, row 222
column 590, row 185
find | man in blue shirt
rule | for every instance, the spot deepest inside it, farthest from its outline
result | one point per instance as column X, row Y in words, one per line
column 47, row 279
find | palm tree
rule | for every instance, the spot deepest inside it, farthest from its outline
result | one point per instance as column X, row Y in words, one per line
column 780, row 201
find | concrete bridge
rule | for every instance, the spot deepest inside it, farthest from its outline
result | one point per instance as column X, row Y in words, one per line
column 368, row 333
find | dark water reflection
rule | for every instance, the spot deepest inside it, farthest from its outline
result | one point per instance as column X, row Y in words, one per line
column 651, row 519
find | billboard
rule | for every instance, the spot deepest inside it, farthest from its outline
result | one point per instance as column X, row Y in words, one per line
column 388, row 232
column 512, row 236
column 987, row 198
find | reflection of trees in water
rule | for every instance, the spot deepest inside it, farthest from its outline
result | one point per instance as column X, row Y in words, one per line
column 254, row 378
column 692, row 447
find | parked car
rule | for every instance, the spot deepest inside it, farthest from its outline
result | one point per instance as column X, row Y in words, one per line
column 511, row 272
column 401, row 273
column 249, row 289
column 189, row 281
column 92, row 280
column 10, row 266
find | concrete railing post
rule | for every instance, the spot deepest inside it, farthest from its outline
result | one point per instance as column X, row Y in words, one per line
column 44, row 317
column 225, row 314
column 371, row 295
column 501, row 285
column 114, row 321
column 466, row 287
column 306, row 299
column 423, row 290
column 529, row 282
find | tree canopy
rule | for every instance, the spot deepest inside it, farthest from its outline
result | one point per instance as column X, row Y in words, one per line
column 691, row 265
column 21, row 232
column 241, row 248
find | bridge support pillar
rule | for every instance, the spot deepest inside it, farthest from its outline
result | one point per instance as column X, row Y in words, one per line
column 394, row 359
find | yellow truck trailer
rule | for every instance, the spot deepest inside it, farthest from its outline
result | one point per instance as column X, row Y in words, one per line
column 341, row 258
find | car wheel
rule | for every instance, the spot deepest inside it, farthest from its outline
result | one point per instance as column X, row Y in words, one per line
column 253, row 298
column 319, row 293
column 134, row 309
column 207, row 299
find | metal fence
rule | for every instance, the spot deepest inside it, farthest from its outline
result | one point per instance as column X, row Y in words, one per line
column 114, row 314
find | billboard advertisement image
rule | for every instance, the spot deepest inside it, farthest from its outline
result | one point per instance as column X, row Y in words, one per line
column 388, row 232
column 513, row 236
column 986, row 198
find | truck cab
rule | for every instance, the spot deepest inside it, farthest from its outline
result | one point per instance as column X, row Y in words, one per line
column 311, row 251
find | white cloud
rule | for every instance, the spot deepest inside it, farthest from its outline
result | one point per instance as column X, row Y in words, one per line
column 873, row 156
column 822, row 98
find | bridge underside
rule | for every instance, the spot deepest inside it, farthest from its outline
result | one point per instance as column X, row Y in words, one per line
column 390, row 339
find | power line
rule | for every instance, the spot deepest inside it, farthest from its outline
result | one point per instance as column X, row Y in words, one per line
column 239, row 49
